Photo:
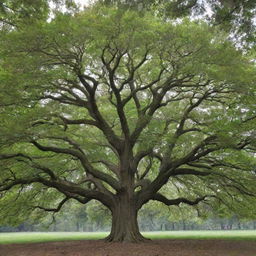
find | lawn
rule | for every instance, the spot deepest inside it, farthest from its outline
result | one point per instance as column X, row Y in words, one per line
column 33, row 237
column 204, row 234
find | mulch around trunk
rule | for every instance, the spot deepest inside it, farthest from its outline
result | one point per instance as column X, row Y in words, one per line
column 151, row 248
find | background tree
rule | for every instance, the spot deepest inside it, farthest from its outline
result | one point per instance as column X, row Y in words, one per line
column 111, row 106
column 153, row 216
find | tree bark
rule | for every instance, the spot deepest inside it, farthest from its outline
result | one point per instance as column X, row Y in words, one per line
column 124, row 221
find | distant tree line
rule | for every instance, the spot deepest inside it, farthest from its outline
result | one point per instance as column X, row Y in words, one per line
column 95, row 217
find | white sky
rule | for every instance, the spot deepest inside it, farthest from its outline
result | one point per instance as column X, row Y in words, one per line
column 83, row 2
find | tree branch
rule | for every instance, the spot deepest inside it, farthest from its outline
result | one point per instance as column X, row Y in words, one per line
column 57, row 209
column 189, row 171
column 85, row 163
column 159, row 197
column 79, row 121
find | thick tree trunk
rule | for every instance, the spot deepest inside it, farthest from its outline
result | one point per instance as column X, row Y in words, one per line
column 124, row 222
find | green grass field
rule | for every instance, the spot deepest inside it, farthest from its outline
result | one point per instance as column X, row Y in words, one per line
column 33, row 237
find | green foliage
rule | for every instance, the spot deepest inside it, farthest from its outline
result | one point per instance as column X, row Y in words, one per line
column 234, row 16
column 13, row 13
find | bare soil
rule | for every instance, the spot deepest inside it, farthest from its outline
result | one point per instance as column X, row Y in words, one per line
column 151, row 248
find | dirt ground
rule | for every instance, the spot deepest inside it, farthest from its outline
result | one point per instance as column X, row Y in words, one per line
column 152, row 248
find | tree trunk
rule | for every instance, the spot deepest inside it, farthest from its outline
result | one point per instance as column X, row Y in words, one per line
column 184, row 225
column 239, row 225
column 124, row 222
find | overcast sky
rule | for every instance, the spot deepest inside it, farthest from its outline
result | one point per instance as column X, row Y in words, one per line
column 83, row 2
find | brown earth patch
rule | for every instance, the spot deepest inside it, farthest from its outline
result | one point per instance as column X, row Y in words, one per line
column 152, row 248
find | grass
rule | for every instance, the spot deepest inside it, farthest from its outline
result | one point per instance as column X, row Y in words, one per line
column 35, row 237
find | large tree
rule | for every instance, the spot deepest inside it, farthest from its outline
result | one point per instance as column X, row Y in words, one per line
column 113, row 106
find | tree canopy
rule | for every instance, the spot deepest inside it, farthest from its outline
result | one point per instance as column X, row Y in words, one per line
column 235, row 16
column 111, row 105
